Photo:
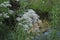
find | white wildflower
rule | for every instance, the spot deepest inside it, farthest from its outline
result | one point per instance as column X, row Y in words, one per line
column 5, row 4
column 6, row 16
column 31, row 15
column 17, row 0
column 26, row 27
column 20, row 24
column 8, row 5
column 0, row 14
column 18, row 18
column 10, row 11
column 28, row 18
column 6, row 13
column 2, row 5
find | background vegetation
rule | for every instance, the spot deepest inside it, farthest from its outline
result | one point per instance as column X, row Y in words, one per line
column 53, row 6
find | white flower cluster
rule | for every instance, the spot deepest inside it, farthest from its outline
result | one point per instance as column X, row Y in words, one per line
column 28, row 19
column 31, row 15
column 5, row 15
column 17, row 0
column 11, row 12
column 0, row 14
column 5, row 4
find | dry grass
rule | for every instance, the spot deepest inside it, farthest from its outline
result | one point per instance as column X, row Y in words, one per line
column 42, row 26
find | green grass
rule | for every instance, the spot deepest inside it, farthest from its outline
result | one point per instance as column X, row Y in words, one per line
column 53, row 6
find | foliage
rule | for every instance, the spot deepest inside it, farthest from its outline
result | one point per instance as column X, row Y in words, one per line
column 53, row 6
